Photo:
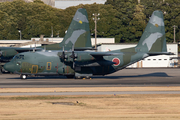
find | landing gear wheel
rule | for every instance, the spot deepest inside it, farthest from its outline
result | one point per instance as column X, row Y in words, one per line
column 0, row 70
column 88, row 77
column 23, row 77
column 78, row 77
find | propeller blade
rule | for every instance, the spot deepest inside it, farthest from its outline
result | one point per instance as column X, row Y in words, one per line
column 63, row 56
column 73, row 56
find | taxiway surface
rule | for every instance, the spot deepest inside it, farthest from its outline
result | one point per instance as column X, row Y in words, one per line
column 125, row 77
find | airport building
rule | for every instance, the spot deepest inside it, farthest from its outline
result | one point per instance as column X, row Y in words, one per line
column 63, row 4
column 48, row 2
column 42, row 40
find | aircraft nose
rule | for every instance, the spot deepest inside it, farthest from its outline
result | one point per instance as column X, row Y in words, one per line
column 9, row 67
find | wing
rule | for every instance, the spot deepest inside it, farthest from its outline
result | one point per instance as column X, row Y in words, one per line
column 19, row 50
column 159, row 53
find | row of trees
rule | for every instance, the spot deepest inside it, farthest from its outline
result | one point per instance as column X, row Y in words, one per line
column 134, row 16
column 123, row 19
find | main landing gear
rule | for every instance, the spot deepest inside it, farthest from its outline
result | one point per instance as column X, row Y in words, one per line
column 78, row 77
column 0, row 70
column 23, row 76
column 70, row 76
column 82, row 77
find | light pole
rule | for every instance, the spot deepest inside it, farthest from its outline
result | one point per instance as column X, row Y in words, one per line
column 20, row 33
column 95, row 21
column 52, row 31
column 58, row 34
column 174, row 26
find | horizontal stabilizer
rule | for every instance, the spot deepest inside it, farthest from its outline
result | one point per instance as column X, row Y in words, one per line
column 28, row 49
column 174, row 58
column 21, row 49
column 160, row 53
column 84, row 48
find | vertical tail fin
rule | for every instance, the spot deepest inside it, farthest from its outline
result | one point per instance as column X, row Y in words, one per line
column 153, row 39
column 78, row 33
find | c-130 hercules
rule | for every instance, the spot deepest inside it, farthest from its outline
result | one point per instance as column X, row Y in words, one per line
column 88, row 63
column 78, row 34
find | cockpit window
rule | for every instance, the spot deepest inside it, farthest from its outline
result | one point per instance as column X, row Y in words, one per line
column 14, row 57
column 19, row 57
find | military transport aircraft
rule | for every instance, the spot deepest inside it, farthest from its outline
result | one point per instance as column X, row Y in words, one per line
column 87, row 63
column 78, row 35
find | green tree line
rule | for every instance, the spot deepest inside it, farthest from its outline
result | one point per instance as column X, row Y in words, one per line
column 123, row 19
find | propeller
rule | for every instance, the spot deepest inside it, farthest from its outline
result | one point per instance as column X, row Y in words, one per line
column 73, row 56
column 63, row 56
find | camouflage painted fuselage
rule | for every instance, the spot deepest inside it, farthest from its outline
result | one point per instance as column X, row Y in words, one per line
column 49, row 63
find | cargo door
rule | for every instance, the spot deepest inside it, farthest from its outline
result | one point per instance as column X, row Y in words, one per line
column 34, row 69
column 48, row 66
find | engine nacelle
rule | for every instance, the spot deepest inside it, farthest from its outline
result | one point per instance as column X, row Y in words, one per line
column 8, row 53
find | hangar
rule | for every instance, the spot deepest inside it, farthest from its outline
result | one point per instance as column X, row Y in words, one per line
column 63, row 4
column 33, row 41
column 48, row 2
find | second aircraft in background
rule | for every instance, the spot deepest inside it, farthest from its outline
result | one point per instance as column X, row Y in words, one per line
column 78, row 35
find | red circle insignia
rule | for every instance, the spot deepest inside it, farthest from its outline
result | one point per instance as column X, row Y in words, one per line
column 117, row 61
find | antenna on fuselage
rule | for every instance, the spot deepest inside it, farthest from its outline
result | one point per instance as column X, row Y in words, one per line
column 63, row 56
column 44, row 47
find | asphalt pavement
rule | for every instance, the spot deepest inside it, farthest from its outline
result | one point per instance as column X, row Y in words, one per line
column 125, row 77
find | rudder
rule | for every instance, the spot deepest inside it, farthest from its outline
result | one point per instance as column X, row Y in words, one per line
column 153, row 39
column 78, row 33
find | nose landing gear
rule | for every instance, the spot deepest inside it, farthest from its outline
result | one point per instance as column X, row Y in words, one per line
column 23, row 76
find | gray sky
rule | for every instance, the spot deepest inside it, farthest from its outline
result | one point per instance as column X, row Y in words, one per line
column 65, row 4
